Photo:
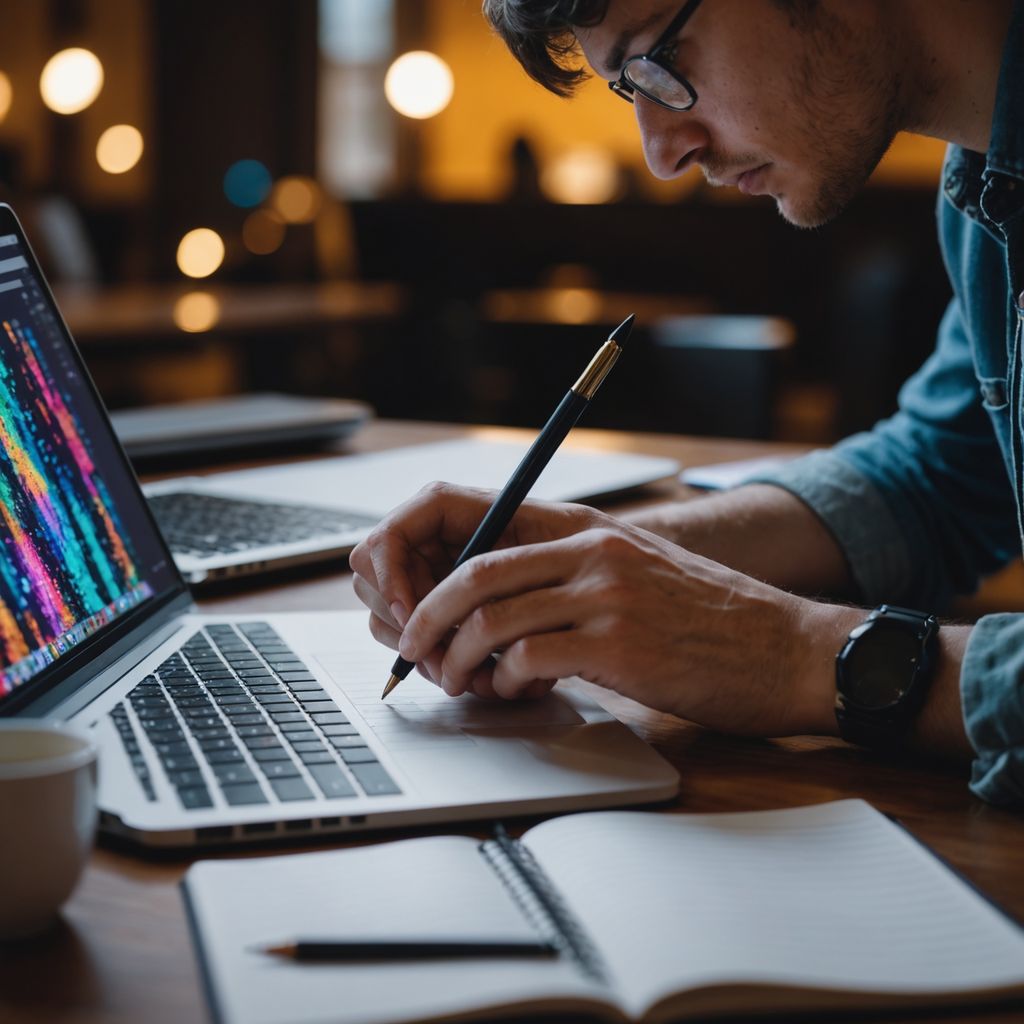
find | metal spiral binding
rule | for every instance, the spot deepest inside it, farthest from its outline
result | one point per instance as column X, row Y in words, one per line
column 541, row 902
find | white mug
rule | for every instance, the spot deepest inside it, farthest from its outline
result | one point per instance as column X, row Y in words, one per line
column 47, row 818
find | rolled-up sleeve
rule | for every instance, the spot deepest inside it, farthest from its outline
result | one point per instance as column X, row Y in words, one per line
column 993, row 706
column 923, row 509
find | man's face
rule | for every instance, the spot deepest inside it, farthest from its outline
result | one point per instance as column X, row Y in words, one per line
column 801, row 109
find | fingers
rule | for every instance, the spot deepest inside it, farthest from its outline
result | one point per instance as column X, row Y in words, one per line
column 484, row 579
column 496, row 625
column 530, row 666
column 412, row 546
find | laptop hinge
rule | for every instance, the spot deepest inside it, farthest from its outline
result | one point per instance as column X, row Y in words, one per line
column 75, row 693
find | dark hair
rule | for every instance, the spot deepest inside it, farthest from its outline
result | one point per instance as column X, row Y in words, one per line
column 540, row 34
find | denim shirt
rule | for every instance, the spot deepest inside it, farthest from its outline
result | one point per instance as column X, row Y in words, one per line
column 932, row 499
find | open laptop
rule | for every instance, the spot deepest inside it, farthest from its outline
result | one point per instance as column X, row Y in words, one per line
column 219, row 729
column 256, row 520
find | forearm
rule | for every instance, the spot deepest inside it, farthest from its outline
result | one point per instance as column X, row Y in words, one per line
column 760, row 530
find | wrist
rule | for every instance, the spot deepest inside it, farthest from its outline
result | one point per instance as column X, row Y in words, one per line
column 820, row 632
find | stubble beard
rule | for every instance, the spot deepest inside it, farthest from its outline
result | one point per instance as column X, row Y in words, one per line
column 853, row 110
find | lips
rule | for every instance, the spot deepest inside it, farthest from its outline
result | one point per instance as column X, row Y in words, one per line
column 752, row 182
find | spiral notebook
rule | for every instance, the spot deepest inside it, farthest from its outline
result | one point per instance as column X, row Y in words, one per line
column 656, row 917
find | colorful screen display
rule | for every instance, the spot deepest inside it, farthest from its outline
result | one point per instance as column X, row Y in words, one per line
column 77, row 550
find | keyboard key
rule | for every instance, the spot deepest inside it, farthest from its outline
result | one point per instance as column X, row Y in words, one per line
column 285, row 668
column 304, row 686
column 330, row 718
column 340, row 730
column 230, row 755
column 279, row 769
column 236, row 711
column 374, row 779
column 254, row 672
column 268, row 700
column 247, row 731
column 291, row 789
column 245, row 793
column 161, row 725
column 175, row 748
column 193, row 702
column 178, row 762
column 305, row 746
column 214, row 732
column 319, row 707
column 149, row 702
column 248, row 720
column 358, row 755
column 287, row 717
column 205, row 722
column 295, row 732
column 341, row 742
column 233, row 699
column 195, row 797
column 277, row 753
column 186, row 779
column 316, row 757
column 230, row 774
column 220, row 739
column 331, row 780
column 297, row 677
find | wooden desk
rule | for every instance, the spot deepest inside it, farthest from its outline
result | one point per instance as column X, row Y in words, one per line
column 122, row 954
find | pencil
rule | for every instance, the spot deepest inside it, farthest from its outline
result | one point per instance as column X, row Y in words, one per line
column 352, row 951
column 562, row 420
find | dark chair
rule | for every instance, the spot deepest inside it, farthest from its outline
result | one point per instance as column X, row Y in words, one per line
column 717, row 375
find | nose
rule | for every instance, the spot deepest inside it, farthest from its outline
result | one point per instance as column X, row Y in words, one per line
column 670, row 138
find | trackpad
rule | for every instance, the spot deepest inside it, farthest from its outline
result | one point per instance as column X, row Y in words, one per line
column 419, row 713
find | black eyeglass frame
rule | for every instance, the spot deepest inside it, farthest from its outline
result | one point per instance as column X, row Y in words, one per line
column 624, row 86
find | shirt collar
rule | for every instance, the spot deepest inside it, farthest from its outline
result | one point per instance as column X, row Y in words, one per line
column 1006, row 149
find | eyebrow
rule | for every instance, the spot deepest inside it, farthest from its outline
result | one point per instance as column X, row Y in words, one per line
column 617, row 54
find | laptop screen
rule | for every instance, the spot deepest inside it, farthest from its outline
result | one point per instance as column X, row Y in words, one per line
column 79, row 554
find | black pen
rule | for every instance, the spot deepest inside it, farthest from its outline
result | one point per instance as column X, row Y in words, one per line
column 353, row 950
column 562, row 420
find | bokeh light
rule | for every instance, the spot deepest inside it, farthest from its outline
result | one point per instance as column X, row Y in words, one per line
column 296, row 199
column 195, row 312
column 71, row 80
column 200, row 252
column 6, row 95
column 419, row 84
column 263, row 232
column 119, row 148
column 574, row 305
column 247, row 183
column 584, row 174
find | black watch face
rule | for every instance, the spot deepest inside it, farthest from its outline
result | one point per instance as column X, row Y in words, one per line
column 879, row 669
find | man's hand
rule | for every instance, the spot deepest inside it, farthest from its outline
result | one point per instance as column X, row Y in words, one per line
column 571, row 591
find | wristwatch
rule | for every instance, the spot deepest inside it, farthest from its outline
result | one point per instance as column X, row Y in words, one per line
column 882, row 675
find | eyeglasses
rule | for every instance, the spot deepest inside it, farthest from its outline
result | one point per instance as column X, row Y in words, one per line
column 651, row 74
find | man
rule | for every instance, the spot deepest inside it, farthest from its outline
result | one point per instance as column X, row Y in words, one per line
column 694, row 608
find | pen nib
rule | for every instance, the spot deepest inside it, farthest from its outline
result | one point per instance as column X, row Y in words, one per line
column 392, row 683
column 622, row 332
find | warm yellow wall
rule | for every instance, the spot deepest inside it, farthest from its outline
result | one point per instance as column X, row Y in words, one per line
column 465, row 147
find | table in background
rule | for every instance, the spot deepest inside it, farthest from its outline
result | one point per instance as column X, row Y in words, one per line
column 122, row 954
column 153, row 312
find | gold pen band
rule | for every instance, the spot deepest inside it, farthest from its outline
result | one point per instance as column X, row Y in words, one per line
column 591, row 378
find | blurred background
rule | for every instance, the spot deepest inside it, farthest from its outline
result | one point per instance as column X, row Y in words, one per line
column 369, row 199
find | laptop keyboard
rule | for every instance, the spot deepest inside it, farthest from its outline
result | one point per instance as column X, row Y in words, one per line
column 236, row 707
column 207, row 524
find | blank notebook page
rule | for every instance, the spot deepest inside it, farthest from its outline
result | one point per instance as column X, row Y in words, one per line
column 833, row 896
